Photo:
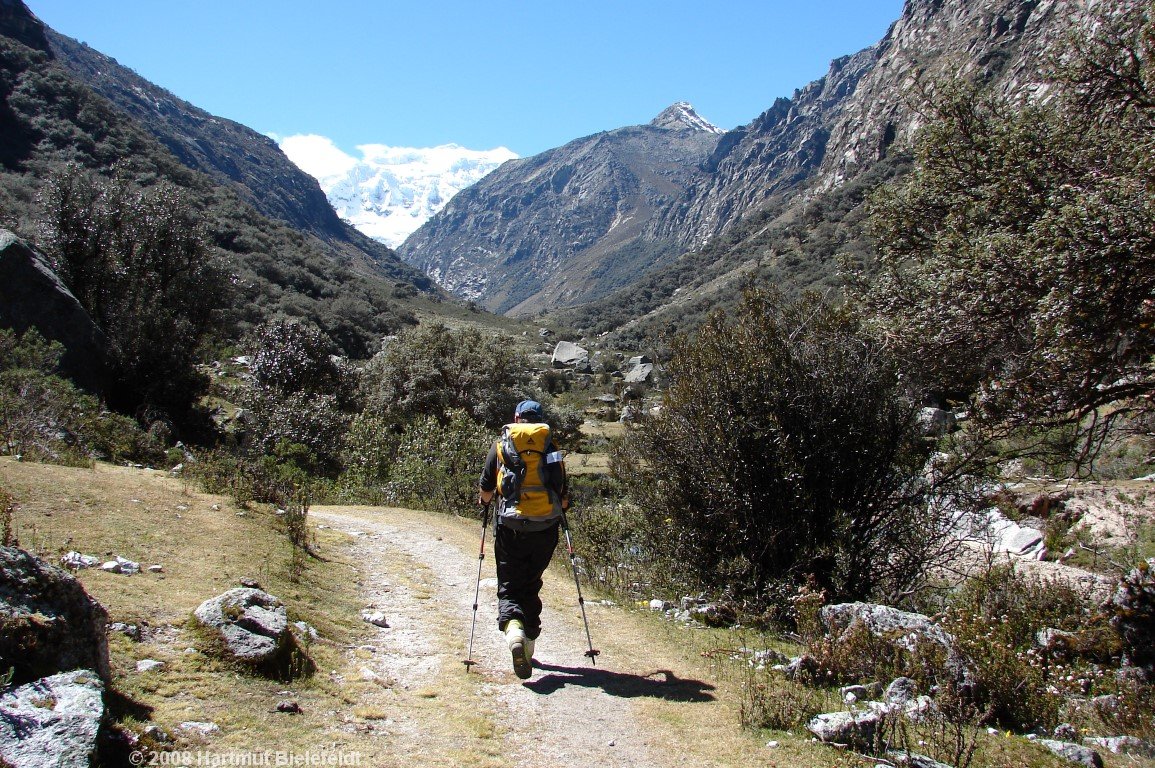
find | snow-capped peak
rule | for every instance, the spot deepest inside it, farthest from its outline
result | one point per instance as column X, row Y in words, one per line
column 390, row 191
column 681, row 116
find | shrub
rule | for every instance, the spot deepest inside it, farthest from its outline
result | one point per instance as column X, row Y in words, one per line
column 432, row 371
column 787, row 447
column 438, row 465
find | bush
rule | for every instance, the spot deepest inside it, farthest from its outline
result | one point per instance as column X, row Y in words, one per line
column 44, row 417
column 438, row 466
column 432, row 370
column 786, row 448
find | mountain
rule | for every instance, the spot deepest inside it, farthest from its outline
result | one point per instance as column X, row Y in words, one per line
column 65, row 106
column 232, row 155
column 519, row 245
column 391, row 191
column 568, row 224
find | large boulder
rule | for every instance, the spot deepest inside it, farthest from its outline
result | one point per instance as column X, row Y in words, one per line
column 902, row 629
column 33, row 296
column 253, row 625
column 48, row 623
column 569, row 355
column 52, row 722
column 856, row 729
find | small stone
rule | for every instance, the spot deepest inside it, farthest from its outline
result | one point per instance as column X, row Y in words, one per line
column 203, row 728
column 156, row 569
column 611, row 743
column 250, row 583
column 288, row 706
column 149, row 665
column 376, row 618
column 110, row 567
column 772, row 744
column 127, row 566
column 157, row 734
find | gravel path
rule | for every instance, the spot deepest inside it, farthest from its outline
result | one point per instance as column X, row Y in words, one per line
column 421, row 570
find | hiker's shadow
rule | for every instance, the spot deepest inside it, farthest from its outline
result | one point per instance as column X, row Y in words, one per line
column 659, row 684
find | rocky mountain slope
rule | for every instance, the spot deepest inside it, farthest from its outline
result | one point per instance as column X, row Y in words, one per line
column 568, row 224
column 232, row 155
column 827, row 135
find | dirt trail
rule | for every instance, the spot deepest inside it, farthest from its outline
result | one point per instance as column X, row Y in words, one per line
column 641, row 705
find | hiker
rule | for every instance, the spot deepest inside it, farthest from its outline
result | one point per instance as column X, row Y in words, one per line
column 525, row 524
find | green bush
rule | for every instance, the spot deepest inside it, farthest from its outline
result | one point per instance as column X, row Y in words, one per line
column 438, row 465
column 786, row 449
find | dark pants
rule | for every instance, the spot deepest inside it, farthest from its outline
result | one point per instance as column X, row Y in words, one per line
column 522, row 557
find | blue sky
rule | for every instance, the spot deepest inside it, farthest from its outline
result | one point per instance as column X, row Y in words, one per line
column 525, row 75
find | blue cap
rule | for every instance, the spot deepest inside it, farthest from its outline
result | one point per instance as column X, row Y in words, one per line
column 528, row 409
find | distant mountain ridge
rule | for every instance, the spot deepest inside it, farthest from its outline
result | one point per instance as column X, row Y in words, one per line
column 231, row 154
column 564, row 226
column 391, row 191
column 500, row 246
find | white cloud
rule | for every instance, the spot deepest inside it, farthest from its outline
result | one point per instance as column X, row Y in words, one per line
column 317, row 156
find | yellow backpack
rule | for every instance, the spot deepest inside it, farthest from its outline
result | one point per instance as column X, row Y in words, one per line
column 523, row 453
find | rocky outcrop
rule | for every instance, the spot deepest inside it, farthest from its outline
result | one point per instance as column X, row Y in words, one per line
column 48, row 623
column 53, row 722
column 33, row 296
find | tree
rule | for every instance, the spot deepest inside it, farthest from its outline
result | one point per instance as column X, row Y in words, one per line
column 137, row 260
column 786, row 449
column 432, row 370
column 1017, row 260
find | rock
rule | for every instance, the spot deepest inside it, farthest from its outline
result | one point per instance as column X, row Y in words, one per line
column 639, row 374
column 250, row 584
column 936, row 422
column 199, row 727
column 569, row 355
column 128, row 567
column 52, row 722
column 306, row 631
column 156, row 569
column 376, row 618
column 854, row 693
column 913, row 760
column 903, row 629
column 76, row 561
column 131, row 631
column 33, row 296
column 110, row 567
column 800, row 667
column 157, row 734
column 714, row 614
column 660, row 605
column 900, row 691
column 289, row 707
column 856, row 729
column 253, row 624
column 1065, row 732
column 1075, row 753
column 149, row 665
column 48, row 623
column 1123, row 745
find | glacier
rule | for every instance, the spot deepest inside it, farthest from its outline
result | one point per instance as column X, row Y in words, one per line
column 389, row 192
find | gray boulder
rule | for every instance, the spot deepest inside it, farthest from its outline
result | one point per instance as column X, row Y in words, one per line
column 914, row 760
column 253, row 625
column 569, row 355
column 902, row 629
column 1123, row 745
column 936, row 422
column 53, row 722
column 856, row 729
column 33, row 296
column 48, row 623
column 1075, row 753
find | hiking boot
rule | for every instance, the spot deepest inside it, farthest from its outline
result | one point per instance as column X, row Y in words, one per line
column 515, row 636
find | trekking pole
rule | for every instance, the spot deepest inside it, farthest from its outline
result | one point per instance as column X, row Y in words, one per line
column 477, row 590
column 591, row 653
